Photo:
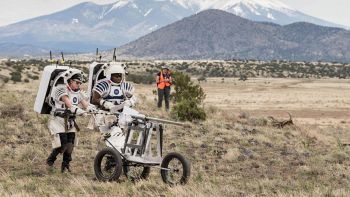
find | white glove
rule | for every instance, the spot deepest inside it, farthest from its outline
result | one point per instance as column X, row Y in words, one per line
column 128, row 103
column 106, row 104
column 116, row 108
column 76, row 110
column 128, row 89
column 91, row 108
column 133, row 100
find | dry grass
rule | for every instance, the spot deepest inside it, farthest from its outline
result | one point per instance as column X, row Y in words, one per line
column 234, row 153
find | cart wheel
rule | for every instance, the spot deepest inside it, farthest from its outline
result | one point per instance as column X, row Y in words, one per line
column 179, row 169
column 108, row 165
column 135, row 172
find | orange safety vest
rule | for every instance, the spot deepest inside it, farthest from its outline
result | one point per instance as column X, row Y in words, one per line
column 162, row 84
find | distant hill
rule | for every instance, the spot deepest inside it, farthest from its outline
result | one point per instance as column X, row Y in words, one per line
column 215, row 34
column 13, row 50
column 85, row 26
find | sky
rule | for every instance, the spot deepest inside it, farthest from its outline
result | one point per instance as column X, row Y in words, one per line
column 12, row 11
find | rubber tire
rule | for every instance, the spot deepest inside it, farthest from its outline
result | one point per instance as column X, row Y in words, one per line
column 144, row 175
column 186, row 167
column 97, row 164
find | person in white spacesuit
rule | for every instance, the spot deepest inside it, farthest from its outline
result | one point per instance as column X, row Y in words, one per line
column 64, row 98
column 112, row 94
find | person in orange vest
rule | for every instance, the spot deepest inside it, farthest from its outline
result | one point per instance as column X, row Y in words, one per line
column 164, row 82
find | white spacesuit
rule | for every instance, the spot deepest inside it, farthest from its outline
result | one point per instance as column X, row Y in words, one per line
column 64, row 98
column 112, row 94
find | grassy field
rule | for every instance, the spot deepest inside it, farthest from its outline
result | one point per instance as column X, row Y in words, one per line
column 235, row 152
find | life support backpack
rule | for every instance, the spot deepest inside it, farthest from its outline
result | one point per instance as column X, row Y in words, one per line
column 52, row 76
column 48, row 79
column 97, row 73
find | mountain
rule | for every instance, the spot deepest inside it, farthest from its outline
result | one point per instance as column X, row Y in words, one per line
column 257, row 10
column 86, row 26
column 215, row 34
column 269, row 11
column 14, row 50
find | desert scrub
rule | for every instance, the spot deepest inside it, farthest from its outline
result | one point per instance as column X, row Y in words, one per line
column 187, row 98
column 12, row 111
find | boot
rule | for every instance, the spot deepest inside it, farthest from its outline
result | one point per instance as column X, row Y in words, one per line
column 65, row 166
column 67, row 157
column 52, row 157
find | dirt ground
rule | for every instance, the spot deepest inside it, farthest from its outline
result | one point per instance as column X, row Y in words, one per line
column 230, row 156
column 309, row 101
column 316, row 101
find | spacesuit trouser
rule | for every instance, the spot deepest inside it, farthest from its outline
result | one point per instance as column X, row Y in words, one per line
column 67, row 145
column 166, row 94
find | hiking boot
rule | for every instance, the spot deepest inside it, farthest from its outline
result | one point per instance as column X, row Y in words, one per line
column 64, row 167
column 52, row 157
column 50, row 167
column 49, row 163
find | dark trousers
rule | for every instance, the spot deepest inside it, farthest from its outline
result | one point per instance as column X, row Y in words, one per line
column 166, row 94
column 67, row 144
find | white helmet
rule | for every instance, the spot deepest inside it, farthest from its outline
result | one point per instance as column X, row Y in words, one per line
column 64, row 77
column 114, row 68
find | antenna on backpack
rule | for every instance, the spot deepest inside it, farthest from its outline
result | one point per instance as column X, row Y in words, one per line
column 114, row 56
column 96, row 54
column 50, row 56
column 62, row 58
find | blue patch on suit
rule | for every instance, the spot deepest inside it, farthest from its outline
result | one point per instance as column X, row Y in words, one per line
column 116, row 91
column 75, row 99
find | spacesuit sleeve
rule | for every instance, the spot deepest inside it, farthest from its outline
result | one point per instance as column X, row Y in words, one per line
column 102, row 88
column 58, row 92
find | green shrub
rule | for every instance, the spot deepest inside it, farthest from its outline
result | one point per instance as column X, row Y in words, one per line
column 202, row 78
column 185, row 89
column 34, row 77
column 16, row 76
column 8, row 63
column 6, row 79
column 187, row 98
column 188, row 110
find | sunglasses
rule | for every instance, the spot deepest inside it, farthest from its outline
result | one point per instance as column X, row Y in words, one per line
column 77, row 82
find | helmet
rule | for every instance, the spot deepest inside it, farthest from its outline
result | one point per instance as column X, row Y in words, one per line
column 73, row 73
column 77, row 77
column 65, row 76
column 113, row 68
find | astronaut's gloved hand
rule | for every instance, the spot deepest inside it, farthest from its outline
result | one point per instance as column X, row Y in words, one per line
column 78, row 111
column 91, row 108
column 128, row 103
column 106, row 104
column 116, row 108
column 128, row 89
